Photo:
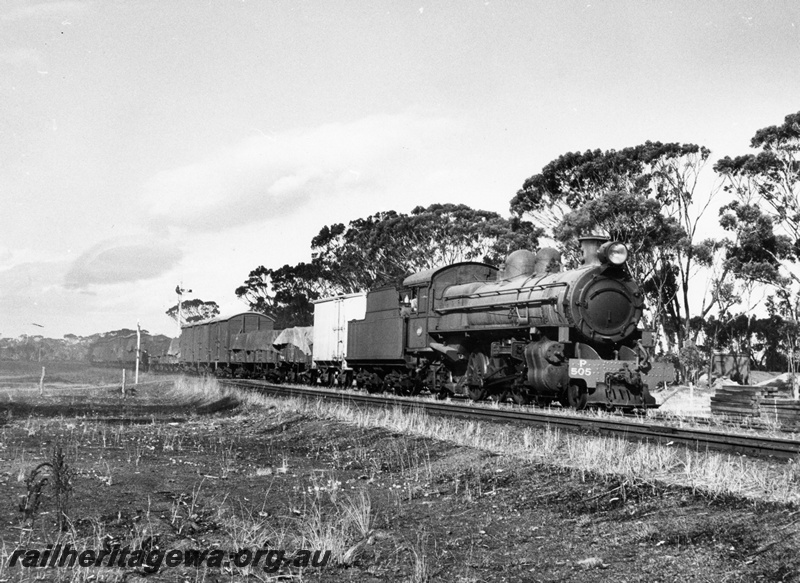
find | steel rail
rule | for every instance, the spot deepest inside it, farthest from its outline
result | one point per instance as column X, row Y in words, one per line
column 698, row 439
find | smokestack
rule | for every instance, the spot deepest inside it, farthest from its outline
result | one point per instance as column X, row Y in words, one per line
column 590, row 244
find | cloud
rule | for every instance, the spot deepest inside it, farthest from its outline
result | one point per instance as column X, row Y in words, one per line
column 29, row 292
column 273, row 176
column 11, row 257
column 44, row 10
column 114, row 261
column 33, row 292
column 21, row 57
column 6, row 256
column 32, row 278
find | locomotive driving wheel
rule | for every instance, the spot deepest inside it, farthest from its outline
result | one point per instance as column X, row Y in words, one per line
column 520, row 395
column 574, row 398
column 477, row 366
column 499, row 396
column 417, row 384
column 402, row 384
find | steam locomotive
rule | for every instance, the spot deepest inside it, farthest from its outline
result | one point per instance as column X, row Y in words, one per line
column 528, row 330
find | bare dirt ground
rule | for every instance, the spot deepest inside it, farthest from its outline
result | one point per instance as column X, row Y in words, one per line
column 163, row 469
column 684, row 400
column 695, row 400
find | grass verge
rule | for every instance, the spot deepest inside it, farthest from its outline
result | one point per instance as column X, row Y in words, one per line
column 712, row 473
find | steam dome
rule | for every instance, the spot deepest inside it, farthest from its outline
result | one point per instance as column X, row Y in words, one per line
column 520, row 262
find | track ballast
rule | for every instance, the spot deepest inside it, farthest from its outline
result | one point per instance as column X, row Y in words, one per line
column 697, row 439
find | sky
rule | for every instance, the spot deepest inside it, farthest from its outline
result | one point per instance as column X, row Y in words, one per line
column 146, row 144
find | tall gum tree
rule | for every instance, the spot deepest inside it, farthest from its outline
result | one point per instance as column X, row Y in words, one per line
column 194, row 310
column 382, row 249
column 285, row 293
column 765, row 217
column 387, row 246
column 646, row 196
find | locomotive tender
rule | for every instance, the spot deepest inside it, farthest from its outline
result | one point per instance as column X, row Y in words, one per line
column 528, row 331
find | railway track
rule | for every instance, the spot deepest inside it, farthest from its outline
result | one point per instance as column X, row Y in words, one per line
column 694, row 438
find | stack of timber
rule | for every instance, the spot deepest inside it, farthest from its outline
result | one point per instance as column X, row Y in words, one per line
column 769, row 403
column 738, row 400
column 784, row 411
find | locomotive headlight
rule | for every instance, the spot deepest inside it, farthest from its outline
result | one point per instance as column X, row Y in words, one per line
column 613, row 252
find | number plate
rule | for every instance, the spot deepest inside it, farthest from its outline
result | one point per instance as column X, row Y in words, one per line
column 594, row 371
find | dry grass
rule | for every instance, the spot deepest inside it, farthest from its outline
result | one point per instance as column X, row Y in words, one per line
column 298, row 505
column 712, row 473
column 679, row 407
column 321, row 517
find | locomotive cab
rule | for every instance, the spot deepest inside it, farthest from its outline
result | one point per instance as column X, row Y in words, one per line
column 389, row 343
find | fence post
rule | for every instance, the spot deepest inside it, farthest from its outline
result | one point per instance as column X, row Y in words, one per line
column 138, row 351
column 41, row 384
column 123, row 383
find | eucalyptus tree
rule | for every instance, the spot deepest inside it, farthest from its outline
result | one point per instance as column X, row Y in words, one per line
column 765, row 215
column 643, row 195
column 194, row 310
column 764, row 218
column 382, row 249
column 387, row 246
column 285, row 293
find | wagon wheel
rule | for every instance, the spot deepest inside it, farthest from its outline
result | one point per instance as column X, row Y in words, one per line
column 402, row 386
column 477, row 365
column 417, row 384
column 375, row 384
column 573, row 398
column 331, row 377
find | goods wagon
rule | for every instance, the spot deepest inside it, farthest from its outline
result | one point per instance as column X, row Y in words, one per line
column 241, row 345
column 330, row 332
column 120, row 351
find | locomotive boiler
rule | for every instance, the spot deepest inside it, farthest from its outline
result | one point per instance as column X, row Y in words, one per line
column 528, row 330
